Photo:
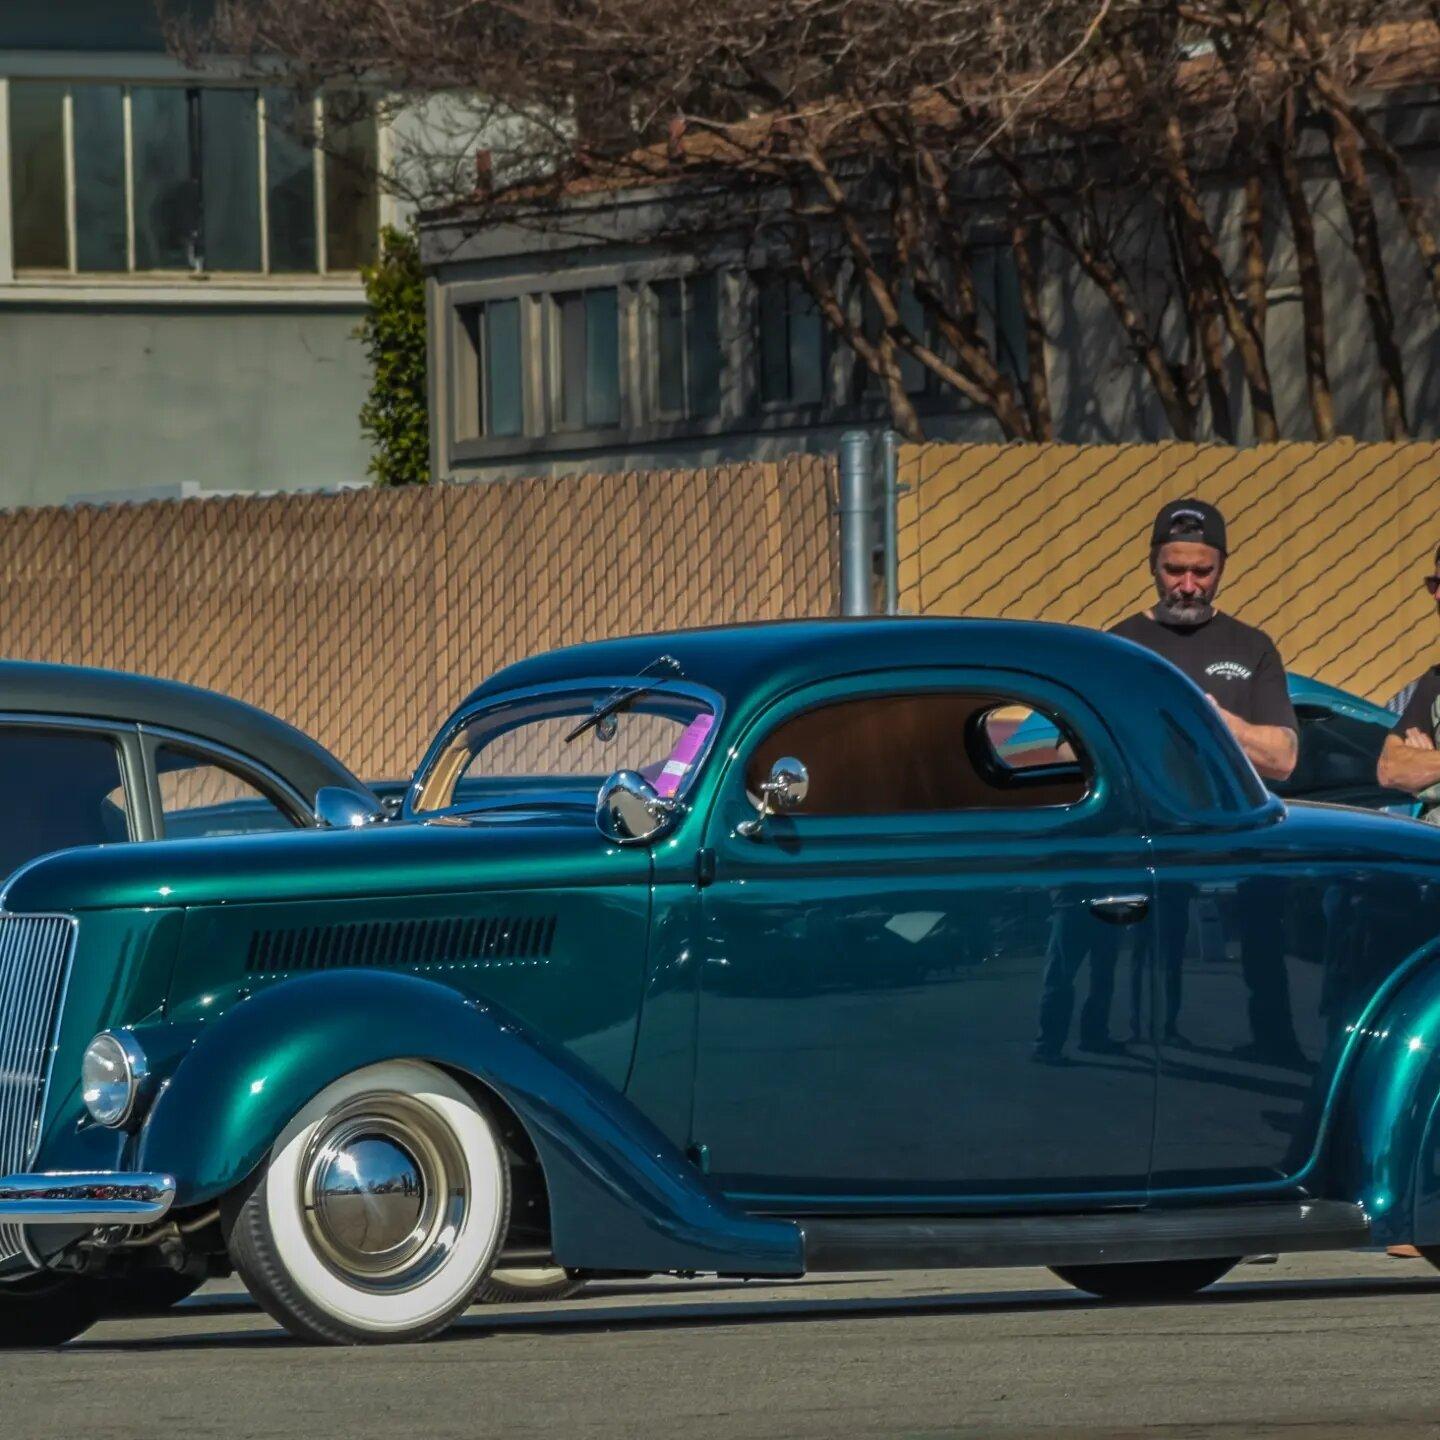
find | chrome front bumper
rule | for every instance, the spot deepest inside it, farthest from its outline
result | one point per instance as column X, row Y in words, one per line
column 104, row 1197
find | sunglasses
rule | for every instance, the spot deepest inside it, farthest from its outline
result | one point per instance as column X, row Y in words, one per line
column 1432, row 583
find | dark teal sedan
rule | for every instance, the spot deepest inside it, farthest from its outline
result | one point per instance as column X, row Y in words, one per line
column 755, row 951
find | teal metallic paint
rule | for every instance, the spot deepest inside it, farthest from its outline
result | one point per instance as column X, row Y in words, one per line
column 621, row 1196
column 634, row 1044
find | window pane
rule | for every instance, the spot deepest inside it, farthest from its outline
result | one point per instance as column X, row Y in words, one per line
column 199, row 797
column 100, row 178
column 37, row 175
column 774, row 346
column 670, row 346
column 602, row 357
column 352, row 202
column 230, row 179
column 807, row 348
column 290, row 183
column 504, row 407
column 67, row 785
column 907, row 754
column 704, row 345
column 570, row 321
column 912, row 315
column 166, row 202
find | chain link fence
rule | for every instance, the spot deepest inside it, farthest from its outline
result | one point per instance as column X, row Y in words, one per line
column 364, row 617
column 1328, row 543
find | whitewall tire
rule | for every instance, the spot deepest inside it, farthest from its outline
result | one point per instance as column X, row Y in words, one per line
column 379, row 1211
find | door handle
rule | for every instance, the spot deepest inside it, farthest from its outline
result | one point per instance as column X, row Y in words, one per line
column 1119, row 909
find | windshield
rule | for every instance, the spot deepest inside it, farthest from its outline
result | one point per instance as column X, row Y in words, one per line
column 533, row 750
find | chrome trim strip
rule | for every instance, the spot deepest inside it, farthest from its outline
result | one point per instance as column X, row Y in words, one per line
column 103, row 1197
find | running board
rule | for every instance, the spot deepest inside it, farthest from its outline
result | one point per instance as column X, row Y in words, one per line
column 945, row 1243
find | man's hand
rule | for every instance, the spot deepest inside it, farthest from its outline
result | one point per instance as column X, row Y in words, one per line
column 1409, row 762
column 1271, row 749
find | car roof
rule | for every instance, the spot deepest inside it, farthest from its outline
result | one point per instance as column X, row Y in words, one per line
column 738, row 659
column 1305, row 691
column 29, row 687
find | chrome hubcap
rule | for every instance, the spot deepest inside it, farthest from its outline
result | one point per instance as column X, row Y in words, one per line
column 384, row 1192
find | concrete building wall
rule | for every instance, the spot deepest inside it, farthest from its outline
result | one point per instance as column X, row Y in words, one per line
column 145, row 384
column 145, row 400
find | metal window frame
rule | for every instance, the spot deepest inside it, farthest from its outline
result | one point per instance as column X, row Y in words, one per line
column 130, row 759
column 272, row 786
column 127, row 72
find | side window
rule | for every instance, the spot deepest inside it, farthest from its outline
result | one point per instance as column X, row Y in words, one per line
column 941, row 751
column 68, row 787
column 199, row 796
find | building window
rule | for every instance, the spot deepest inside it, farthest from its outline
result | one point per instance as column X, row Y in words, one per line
column 585, row 389
column 1002, row 325
column 792, row 344
column 133, row 178
column 493, row 333
column 686, row 350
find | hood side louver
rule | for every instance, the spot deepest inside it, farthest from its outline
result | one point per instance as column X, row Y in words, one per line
column 488, row 942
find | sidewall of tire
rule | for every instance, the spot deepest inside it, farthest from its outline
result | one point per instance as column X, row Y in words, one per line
column 271, row 1249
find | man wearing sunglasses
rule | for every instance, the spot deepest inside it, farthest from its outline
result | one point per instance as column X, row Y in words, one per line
column 1410, row 760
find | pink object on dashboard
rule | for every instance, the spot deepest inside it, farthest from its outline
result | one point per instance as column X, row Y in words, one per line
column 682, row 757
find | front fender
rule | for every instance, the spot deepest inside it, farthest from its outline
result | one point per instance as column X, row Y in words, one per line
column 621, row 1196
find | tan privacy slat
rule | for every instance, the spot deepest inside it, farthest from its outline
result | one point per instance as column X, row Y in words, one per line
column 364, row 617
column 1328, row 542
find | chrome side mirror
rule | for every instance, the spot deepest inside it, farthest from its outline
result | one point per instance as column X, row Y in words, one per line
column 630, row 810
column 342, row 809
column 785, row 790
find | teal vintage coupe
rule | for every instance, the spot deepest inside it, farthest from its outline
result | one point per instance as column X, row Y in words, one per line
column 756, row 951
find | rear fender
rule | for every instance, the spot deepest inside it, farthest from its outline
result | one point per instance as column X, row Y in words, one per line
column 621, row 1196
column 1383, row 1147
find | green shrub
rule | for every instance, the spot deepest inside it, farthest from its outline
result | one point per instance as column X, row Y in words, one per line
column 396, row 417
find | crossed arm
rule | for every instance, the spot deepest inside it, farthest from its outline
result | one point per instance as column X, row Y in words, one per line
column 1409, row 762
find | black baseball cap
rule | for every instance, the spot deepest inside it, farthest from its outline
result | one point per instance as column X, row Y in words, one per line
column 1189, row 520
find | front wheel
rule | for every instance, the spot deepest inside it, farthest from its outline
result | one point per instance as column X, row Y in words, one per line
column 379, row 1211
column 44, row 1310
column 1145, row 1280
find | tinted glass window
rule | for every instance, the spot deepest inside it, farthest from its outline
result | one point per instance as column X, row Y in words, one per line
column 67, row 787
column 199, row 797
column 37, row 175
column 290, row 183
column 99, row 116
column 230, row 179
column 166, row 188
column 904, row 754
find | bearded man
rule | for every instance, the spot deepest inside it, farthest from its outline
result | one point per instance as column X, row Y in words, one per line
column 1235, row 664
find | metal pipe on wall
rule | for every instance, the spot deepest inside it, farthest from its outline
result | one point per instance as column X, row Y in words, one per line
column 856, row 521
column 889, row 518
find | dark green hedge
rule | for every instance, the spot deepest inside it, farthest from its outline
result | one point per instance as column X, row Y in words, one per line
column 395, row 417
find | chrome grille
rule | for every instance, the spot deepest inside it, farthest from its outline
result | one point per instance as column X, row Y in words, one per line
column 35, row 953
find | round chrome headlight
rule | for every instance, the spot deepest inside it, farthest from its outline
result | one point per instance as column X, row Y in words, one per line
column 111, row 1074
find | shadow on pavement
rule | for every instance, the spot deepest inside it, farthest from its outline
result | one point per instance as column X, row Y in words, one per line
column 579, row 1318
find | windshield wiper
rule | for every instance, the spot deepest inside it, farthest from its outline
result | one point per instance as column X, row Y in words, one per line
column 662, row 668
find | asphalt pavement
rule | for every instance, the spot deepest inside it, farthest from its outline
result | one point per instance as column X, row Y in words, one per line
column 1308, row 1348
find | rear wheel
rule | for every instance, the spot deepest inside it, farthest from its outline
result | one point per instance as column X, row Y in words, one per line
column 379, row 1211
column 44, row 1310
column 1145, row 1280
column 528, row 1284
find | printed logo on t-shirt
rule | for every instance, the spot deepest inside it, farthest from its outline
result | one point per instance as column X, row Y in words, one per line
column 1228, row 670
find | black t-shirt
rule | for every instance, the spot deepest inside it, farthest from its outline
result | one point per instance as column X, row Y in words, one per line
column 1422, row 709
column 1236, row 663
